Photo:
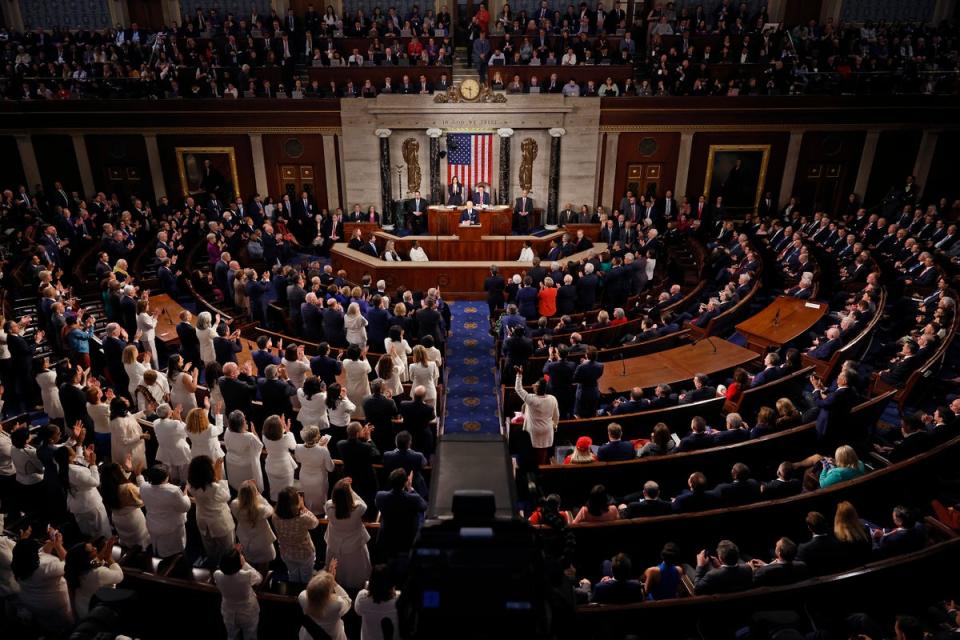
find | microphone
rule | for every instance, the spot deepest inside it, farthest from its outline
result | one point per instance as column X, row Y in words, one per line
column 623, row 365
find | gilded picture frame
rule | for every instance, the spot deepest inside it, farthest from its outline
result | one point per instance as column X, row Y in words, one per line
column 738, row 172
column 222, row 177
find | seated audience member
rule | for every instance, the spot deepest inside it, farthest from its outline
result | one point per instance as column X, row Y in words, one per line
column 582, row 452
column 550, row 509
column 915, row 440
column 784, row 569
column 649, row 504
column 822, row 553
column 741, row 382
column 766, row 423
column 852, row 534
column 618, row 585
column 663, row 581
column 598, row 507
column 698, row 438
column 615, row 449
column 723, row 572
column 907, row 535
column 701, row 390
column 742, row 489
column 661, row 442
column 737, row 431
column 783, row 485
column 695, row 497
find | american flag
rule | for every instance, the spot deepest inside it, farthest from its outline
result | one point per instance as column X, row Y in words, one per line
column 470, row 158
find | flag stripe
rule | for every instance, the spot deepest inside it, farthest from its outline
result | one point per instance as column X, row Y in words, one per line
column 470, row 158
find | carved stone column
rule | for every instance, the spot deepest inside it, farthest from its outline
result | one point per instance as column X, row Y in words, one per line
column 505, row 135
column 553, row 192
column 385, row 182
column 436, row 189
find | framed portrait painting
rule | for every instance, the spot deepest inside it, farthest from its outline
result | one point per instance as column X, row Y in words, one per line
column 205, row 170
column 737, row 172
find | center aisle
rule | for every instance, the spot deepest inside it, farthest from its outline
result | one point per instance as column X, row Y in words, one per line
column 471, row 384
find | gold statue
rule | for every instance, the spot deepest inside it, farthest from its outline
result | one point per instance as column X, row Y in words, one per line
column 529, row 149
column 411, row 151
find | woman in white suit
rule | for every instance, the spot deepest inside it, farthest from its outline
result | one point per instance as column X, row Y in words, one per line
column 252, row 513
column 206, row 331
column 83, row 495
column 167, row 508
column 315, row 466
column 212, row 494
column 356, row 326
column 395, row 346
column 243, row 452
column 313, row 404
column 346, row 537
column 297, row 366
column 424, row 372
column 147, row 325
column 173, row 449
column 134, row 365
column 49, row 393
column 204, row 437
column 280, row 445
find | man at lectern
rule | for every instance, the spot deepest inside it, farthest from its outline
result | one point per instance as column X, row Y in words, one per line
column 469, row 215
column 481, row 197
column 417, row 214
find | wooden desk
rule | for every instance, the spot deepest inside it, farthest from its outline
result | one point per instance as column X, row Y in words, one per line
column 167, row 326
column 782, row 321
column 674, row 365
column 366, row 228
column 495, row 220
column 457, row 247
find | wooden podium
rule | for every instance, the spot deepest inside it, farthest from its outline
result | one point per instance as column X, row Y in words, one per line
column 782, row 321
column 494, row 221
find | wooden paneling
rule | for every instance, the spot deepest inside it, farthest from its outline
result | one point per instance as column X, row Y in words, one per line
column 644, row 148
column 57, row 160
column 241, row 146
column 893, row 162
column 11, row 168
column 119, row 165
column 700, row 150
column 827, row 169
column 942, row 181
column 299, row 152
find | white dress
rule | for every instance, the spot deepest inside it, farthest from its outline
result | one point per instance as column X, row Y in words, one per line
column 172, row 447
column 180, row 395
column 45, row 593
column 398, row 352
column 297, row 371
column 167, row 508
column 313, row 411
column 95, row 579
column 135, row 374
column 239, row 606
column 371, row 613
column 125, row 437
column 213, row 515
column 280, row 464
column 340, row 415
column 147, row 325
column 206, row 336
column 358, row 385
column 417, row 254
column 257, row 538
column 347, row 543
column 356, row 327
column 129, row 521
column 243, row 459
column 207, row 442
column 49, row 393
column 8, row 583
column 427, row 376
column 541, row 415
column 315, row 465
column 331, row 618
column 85, row 503
column 526, row 255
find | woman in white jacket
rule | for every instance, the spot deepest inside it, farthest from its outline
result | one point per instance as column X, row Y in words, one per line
column 83, row 495
column 212, row 494
column 206, row 331
column 346, row 537
column 204, row 437
column 126, row 436
column 239, row 606
column 173, row 449
column 313, row 404
column 424, row 372
column 167, row 506
column 398, row 349
column 298, row 367
column 356, row 326
column 252, row 513
column 280, row 445
column 325, row 602
column 339, row 411
column 243, row 452
column 183, row 383
column 315, row 466
column 87, row 570
column 147, row 325
column 134, row 366
column 49, row 393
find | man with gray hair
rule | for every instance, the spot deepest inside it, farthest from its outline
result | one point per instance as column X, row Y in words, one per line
column 419, row 418
column 737, row 431
column 648, row 505
column 276, row 391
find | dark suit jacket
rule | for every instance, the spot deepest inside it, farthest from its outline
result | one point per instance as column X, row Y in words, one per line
column 616, row 450
column 826, row 349
column 767, row 375
column 737, row 492
column 781, row 488
column 647, row 509
column 900, row 541
column 494, row 286
column 779, row 573
column 275, row 395
column 912, row 445
column 695, row 442
column 822, row 554
column 225, row 350
column 428, row 324
column 726, row 579
column 333, row 327
column 358, row 459
column 834, row 412
column 237, row 394
column 189, row 342
column 399, row 519
column 326, row 368
column 409, row 461
column 688, row 501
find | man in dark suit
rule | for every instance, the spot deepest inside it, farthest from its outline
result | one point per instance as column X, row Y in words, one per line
column 825, row 349
column 494, row 286
column 783, row 485
column 412, row 462
column 400, row 514
column 586, row 376
column 588, row 286
column 419, row 419
column 908, row 535
column 238, row 389
column 834, row 407
column 428, row 321
column 22, row 350
column 698, row 438
column 522, row 209
column 633, row 404
column 325, row 367
column 189, row 342
column 785, row 568
column 695, row 497
column 616, row 449
column 567, row 296
column 380, row 411
column 737, row 431
column 334, row 329
column 903, row 365
column 723, row 573
column 417, row 214
column 916, row 440
column 771, row 371
column 359, row 455
column 469, row 215
column 128, row 310
column 822, row 553
column 303, row 208
column 481, row 196
column 742, row 490
column 370, row 248
column 559, row 370
column 311, row 318
column 275, row 391
column 649, row 504
column 296, row 296
column 702, row 390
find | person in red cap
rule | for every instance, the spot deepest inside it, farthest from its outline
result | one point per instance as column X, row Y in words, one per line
column 582, row 454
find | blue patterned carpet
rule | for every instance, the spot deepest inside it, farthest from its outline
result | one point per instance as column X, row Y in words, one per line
column 471, row 391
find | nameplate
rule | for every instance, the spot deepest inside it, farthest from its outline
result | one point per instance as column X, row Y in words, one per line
column 812, row 305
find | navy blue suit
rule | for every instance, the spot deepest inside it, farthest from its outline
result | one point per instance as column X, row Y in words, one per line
column 834, row 411
column 767, row 375
column 616, row 450
column 470, row 215
column 586, row 377
column 826, row 349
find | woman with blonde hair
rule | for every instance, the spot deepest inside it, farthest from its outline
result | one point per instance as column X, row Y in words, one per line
column 280, row 445
column 852, row 535
column 787, row 415
column 315, row 467
column 134, row 366
column 424, row 372
column 346, row 536
column 204, row 437
column 396, row 346
column 252, row 513
column 121, row 494
column 356, row 325
column 324, row 603
column 206, row 331
column 844, row 466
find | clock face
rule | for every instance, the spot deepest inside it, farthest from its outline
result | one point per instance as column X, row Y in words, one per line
column 470, row 89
